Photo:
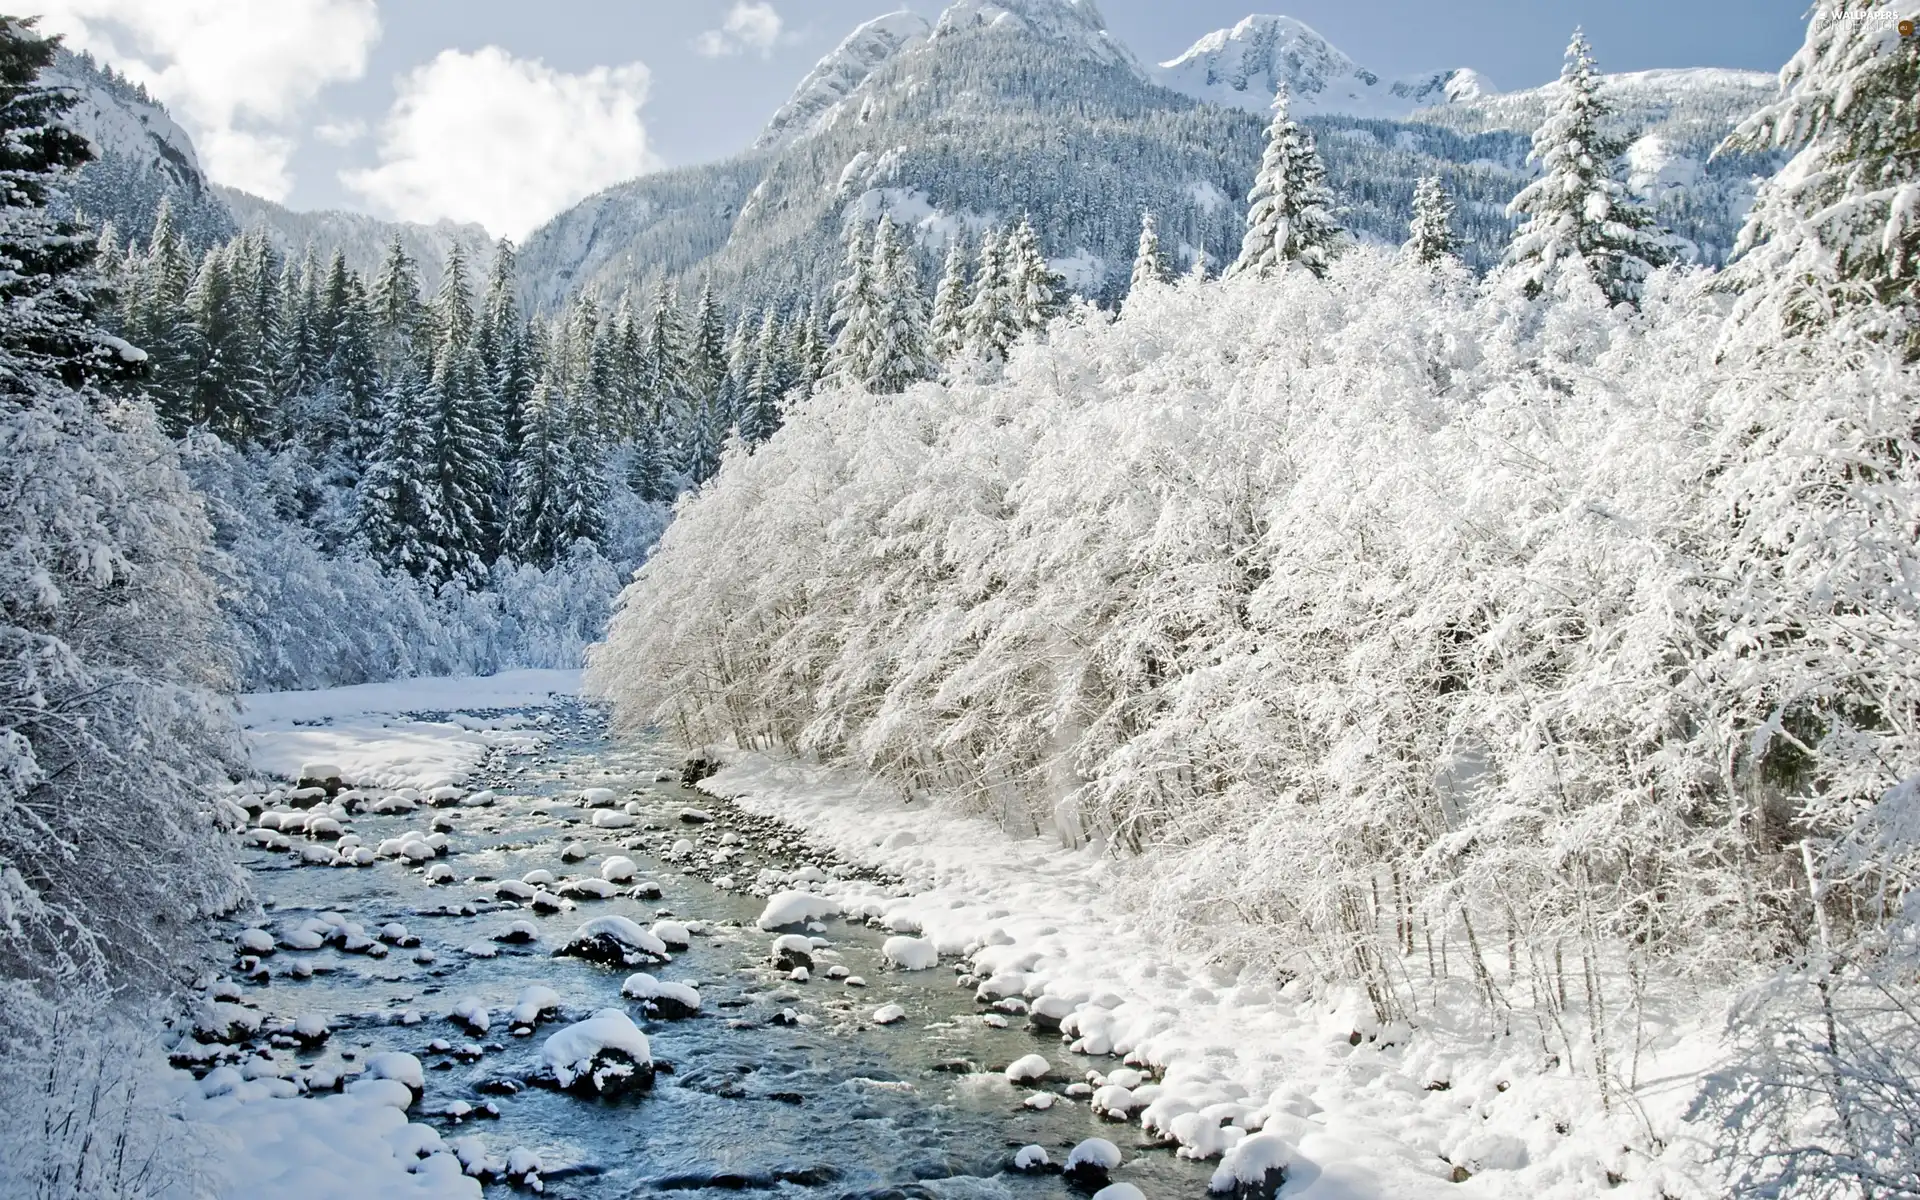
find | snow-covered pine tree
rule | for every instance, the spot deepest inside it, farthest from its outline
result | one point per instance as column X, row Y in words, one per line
column 452, row 316
column 991, row 323
column 1290, row 212
column 161, row 324
column 399, row 316
column 1431, row 238
column 1833, row 236
column 948, row 332
column 707, row 354
column 670, row 366
column 760, row 407
column 352, row 368
column 229, row 388
column 856, row 316
column 1033, row 288
column 1578, row 212
column 537, row 529
column 900, row 354
column 297, row 345
column 1149, row 262
column 112, row 647
column 396, row 504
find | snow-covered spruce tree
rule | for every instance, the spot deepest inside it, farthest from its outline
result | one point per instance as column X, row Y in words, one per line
column 396, row 504
column 1578, row 213
column 1430, row 234
column 707, row 350
column 398, row 315
column 540, row 533
column 901, row 356
column 112, row 650
column 1149, row 262
column 1834, row 237
column 1291, row 210
column 992, row 322
column 857, row 316
column 160, row 323
column 760, row 409
column 672, row 360
column 229, row 388
column 947, row 332
column 351, row 368
column 1035, row 288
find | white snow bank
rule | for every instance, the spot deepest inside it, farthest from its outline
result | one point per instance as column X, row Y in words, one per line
column 796, row 908
column 346, row 1147
column 508, row 689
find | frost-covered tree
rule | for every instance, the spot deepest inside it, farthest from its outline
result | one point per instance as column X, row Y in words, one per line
column 1578, row 212
column 1032, row 285
column 113, row 656
column 992, row 320
column 1291, row 210
column 160, row 323
column 900, row 353
column 351, row 370
column 1430, row 234
column 766, row 386
column 1149, row 262
column 1833, row 236
column 857, row 316
column 947, row 331
column 707, row 354
column 229, row 387
column 540, row 525
column 396, row 503
column 399, row 316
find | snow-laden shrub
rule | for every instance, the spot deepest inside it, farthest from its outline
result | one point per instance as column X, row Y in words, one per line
column 93, row 1111
column 1423, row 635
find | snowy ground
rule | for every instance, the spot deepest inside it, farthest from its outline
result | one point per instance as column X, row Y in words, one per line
column 365, row 732
column 1430, row 1117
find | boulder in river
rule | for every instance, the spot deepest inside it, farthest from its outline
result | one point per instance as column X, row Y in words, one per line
column 1254, row 1169
column 605, row 1055
column 614, row 941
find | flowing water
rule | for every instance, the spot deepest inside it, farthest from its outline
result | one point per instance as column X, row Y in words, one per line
column 830, row 1106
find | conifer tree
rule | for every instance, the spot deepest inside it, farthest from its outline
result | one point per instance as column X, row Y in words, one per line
column 398, row 314
column 900, row 355
column 856, row 316
column 1431, row 239
column 452, row 313
column 667, row 383
column 1149, row 263
column 1577, row 212
column 161, row 324
column 352, row 367
column 1033, row 289
column 296, row 344
column 948, row 332
column 707, row 355
column 396, row 506
column 992, row 324
column 760, row 410
column 229, row 389
column 539, row 522
column 1290, row 212
column 1832, row 236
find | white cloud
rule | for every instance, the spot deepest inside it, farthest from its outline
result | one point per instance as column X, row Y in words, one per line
column 340, row 133
column 748, row 26
column 503, row 141
column 238, row 74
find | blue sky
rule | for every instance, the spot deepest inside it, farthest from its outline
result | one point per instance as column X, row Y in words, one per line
column 504, row 111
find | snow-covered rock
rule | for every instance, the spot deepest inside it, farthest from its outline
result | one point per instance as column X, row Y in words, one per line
column 618, row 869
column 536, row 1001
column 1091, row 1160
column 662, row 998
column 1254, row 1169
column 1028, row 1068
column 614, row 941
column 604, row 1055
column 889, row 1014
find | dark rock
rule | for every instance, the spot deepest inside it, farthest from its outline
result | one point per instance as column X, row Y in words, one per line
column 696, row 769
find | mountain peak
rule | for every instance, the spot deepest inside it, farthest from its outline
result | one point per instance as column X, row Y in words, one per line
column 1243, row 66
column 1076, row 23
column 840, row 74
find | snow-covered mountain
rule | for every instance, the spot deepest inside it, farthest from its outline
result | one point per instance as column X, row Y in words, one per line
column 1074, row 24
column 1243, row 66
column 141, row 157
column 821, row 94
column 363, row 239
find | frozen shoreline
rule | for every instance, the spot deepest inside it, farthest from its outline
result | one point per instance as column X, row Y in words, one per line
column 1434, row 1116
